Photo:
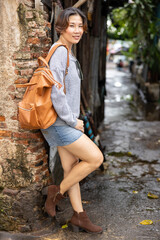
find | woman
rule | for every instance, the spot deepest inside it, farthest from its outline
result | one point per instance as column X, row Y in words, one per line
column 67, row 133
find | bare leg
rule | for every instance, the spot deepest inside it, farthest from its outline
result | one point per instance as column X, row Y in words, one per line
column 91, row 157
column 68, row 161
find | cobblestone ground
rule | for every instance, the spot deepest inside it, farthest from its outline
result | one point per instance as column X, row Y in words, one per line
column 117, row 199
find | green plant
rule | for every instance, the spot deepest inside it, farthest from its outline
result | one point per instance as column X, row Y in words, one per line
column 137, row 21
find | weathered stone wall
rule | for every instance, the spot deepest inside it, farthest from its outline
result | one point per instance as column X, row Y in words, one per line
column 25, row 35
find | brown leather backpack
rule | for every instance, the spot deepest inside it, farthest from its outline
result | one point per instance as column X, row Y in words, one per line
column 36, row 109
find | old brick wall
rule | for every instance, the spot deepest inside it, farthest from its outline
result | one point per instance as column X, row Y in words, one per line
column 25, row 35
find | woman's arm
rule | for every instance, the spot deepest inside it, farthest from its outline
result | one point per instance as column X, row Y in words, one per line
column 80, row 125
column 57, row 64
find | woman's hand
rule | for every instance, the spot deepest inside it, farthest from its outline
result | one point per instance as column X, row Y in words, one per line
column 80, row 125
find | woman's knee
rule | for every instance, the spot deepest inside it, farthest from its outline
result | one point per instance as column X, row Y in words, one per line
column 98, row 159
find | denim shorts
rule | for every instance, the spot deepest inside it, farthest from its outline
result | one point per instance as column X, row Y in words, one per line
column 61, row 135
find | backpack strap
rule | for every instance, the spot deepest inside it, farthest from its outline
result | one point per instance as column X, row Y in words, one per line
column 25, row 85
column 41, row 61
column 53, row 50
column 50, row 55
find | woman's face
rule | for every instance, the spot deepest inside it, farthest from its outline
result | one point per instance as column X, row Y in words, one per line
column 74, row 31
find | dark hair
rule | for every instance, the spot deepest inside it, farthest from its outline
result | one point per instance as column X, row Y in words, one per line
column 63, row 19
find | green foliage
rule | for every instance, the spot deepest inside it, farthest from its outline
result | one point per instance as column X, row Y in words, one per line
column 137, row 21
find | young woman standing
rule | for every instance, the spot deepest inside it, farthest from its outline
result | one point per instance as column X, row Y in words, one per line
column 67, row 133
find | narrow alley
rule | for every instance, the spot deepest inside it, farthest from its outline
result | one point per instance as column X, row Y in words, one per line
column 121, row 197
column 117, row 199
column 120, row 105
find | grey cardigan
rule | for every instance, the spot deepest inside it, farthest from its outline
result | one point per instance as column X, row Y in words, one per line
column 66, row 105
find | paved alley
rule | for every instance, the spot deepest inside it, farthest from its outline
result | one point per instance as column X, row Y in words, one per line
column 117, row 199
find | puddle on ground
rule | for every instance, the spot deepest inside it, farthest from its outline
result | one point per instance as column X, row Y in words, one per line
column 125, row 164
column 125, row 100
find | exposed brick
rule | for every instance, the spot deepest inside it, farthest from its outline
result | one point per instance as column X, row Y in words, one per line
column 25, row 49
column 17, row 172
column 12, row 96
column 38, row 170
column 40, row 156
column 33, row 40
column 29, row 135
column 25, row 146
column 36, row 55
column 44, row 55
column 30, row 157
column 46, row 173
column 37, row 178
column 44, row 167
column 32, row 24
column 48, row 25
column 3, row 125
column 24, row 142
column 11, row 88
column 46, row 41
column 32, row 165
column 27, row 64
column 22, row 55
column 42, row 33
column 33, row 33
column 16, row 71
column 41, row 140
column 29, row 3
column 14, row 117
column 2, row 119
column 29, row 15
column 44, row 150
column 36, row 148
column 46, row 49
column 20, row 91
column 26, row 72
column 45, row 159
column 5, row 133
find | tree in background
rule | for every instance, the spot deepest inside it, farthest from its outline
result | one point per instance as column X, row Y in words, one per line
column 138, row 21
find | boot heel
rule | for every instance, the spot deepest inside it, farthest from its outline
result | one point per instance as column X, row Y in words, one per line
column 74, row 228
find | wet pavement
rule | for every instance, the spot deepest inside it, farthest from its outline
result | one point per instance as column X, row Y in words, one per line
column 117, row 199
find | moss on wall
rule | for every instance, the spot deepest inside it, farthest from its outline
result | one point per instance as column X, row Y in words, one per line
column 21, row 10
column 6, row 220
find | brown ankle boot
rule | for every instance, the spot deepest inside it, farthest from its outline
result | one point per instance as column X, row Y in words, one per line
column 53, row 197
column 80, row 221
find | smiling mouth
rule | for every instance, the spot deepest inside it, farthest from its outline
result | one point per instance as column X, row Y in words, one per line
column 76, row 37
